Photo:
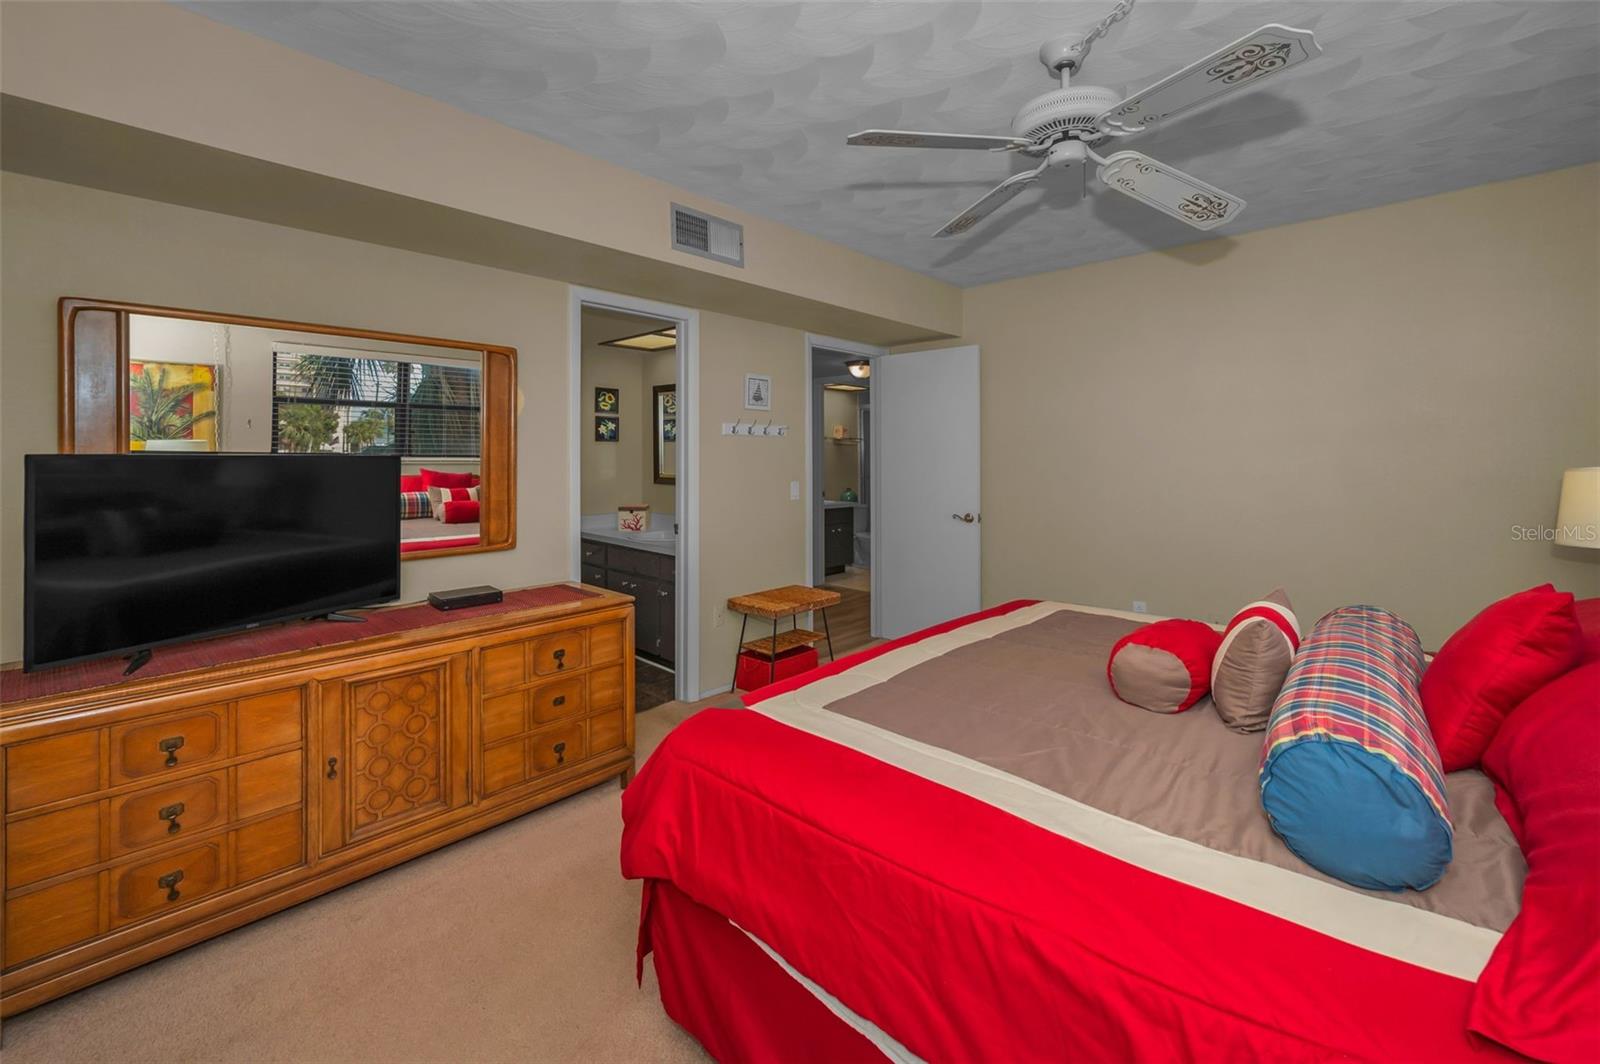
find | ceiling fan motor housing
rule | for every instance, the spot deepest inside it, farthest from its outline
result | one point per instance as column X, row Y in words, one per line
column 1064, row 112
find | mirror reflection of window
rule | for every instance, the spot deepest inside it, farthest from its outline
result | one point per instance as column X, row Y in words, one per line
column 212, row 386
column 666, row 433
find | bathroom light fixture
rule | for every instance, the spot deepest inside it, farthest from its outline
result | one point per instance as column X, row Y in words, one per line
column 844, row 387
column 659, row 340
column 859, row 368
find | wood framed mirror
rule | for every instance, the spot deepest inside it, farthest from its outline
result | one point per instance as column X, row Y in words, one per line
column 137, row 377
column 664, row 407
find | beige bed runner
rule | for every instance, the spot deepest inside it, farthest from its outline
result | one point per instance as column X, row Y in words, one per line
column 1015, row 710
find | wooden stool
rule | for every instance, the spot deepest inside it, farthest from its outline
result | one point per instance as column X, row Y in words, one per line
column 775, row 604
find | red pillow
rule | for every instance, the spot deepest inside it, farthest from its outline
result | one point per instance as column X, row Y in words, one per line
column 460, row 513
column 1540, row 992
column 412, row 482
column 1164, row 667
column 432, row 478
column 1497, row 659
column 1588, row 611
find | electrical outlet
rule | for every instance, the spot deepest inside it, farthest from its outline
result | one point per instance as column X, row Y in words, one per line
column 1140, row 607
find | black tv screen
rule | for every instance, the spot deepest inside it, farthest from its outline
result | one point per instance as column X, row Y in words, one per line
column 128, row 551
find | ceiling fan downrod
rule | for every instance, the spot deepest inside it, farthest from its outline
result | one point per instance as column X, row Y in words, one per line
column 1064, row 56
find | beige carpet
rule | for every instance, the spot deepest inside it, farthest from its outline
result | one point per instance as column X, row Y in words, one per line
column 513, row 945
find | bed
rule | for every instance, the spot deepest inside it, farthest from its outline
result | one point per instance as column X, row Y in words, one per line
column 426, row 533
column 961, row 846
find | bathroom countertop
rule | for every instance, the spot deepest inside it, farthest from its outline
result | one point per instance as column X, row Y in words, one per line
column 661, row 539
column 834, row 504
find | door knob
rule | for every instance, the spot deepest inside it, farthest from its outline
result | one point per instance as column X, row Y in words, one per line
column 965, row 518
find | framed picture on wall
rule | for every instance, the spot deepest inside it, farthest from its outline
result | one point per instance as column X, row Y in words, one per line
column 757, row 392
column 606, row 400
column 607, row 429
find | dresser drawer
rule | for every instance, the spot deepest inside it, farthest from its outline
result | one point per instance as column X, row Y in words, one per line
column 606, row 732
column 558, row 700
column 166, row 813
column 607, row 688
column 556, row 748
column 562, row 652
column 168, row 882
column 606, row 642
column 163, row 814
column 151, row 747
column 52, row 844
column 59, row 916
column 49, row 770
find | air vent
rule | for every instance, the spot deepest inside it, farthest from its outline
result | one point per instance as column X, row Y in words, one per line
column 702, row 234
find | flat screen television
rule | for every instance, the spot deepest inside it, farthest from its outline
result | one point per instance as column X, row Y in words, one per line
column 124, row 552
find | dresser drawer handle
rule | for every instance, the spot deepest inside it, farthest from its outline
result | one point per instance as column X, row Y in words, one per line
column 170, row 747
column 561, row 753
column 170, row 883
column 333, row 768
column 171, row 813
column 561, row 659
column 560, row 700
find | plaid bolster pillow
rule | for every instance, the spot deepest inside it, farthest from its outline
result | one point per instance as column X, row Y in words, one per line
column 1350, row 776
column 414, row 504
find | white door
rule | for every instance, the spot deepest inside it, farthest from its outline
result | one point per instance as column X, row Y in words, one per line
column 926, row 542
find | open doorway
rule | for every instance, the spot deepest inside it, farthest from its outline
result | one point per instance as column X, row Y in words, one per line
column 842, row 489
column 630, row 477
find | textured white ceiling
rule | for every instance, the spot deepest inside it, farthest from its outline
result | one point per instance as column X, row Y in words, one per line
column 750, row 104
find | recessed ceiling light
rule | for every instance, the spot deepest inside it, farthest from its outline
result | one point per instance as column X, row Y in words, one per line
column 859, row 368
column 659, row 340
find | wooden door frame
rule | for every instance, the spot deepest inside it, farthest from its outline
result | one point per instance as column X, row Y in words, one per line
column 93, row 392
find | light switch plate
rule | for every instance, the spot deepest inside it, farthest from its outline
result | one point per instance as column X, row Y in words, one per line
column 794, row 491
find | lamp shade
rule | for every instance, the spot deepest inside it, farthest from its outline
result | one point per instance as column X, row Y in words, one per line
column 1578, row 519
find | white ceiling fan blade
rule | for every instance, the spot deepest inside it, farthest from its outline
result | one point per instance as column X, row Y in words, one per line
column 1243, row 63
column 991, row 201
column 1169, row 191
column 902, row 138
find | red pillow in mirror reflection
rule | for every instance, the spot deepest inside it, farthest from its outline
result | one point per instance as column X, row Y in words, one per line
column 433, row 478
column 460, row 513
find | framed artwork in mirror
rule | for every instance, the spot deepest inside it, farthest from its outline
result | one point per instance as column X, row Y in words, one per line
column 664, row 413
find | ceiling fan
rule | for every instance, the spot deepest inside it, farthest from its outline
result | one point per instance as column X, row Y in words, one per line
column 1064, row 126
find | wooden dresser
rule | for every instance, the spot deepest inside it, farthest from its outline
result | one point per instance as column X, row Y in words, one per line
column 146, row 816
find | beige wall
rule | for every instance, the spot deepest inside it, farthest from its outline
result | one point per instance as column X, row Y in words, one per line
column 622, row 473
column 614, row 474
column 660, row 367
column 1359, row 408
column 752, row 535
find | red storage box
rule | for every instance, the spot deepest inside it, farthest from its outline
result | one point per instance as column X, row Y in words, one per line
column 756, row 671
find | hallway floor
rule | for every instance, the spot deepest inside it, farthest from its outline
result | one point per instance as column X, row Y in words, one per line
column 850, row 621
